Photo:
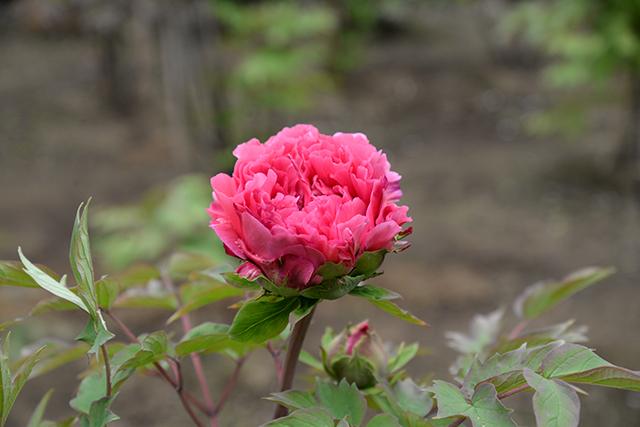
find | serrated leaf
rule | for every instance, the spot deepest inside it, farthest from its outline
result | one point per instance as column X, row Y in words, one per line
column 341, row 400
column 396, row 311
column 383, row 420
column 373, row 293
column 200, row 299
column 107, row 289
column 46, row 282
column 484, row 409
column 542, row 296
column 240, row 282
column 12, row 274
column 555, row 403
column 258, row 321
column 36, row 417
column 81, row 263
column 333, row 288
column 294, row 399
column 314, row 417
column 402, row 356
column 570, row 359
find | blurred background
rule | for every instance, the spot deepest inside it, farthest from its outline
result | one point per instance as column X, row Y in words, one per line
column 515, row 126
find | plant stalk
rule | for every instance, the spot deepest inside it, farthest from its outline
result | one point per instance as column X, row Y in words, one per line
column 291, row 359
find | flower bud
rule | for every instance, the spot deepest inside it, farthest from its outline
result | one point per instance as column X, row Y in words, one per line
column 355, row 355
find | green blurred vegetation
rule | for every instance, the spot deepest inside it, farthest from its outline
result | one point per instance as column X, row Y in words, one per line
column 590, row 42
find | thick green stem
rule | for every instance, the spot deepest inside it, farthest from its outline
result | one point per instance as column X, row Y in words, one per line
column 291, row 359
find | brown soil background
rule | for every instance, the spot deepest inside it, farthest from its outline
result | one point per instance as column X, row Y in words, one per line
column 491, row 216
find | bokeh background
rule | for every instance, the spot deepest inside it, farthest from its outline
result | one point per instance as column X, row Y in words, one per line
column 514, row 125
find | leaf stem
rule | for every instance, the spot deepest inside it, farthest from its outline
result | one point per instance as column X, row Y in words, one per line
column 457, row 422
column 291, row 359
column 229, row 387
column 514, row 391
column 197, row 366
column 276, row 360
column 107, row 368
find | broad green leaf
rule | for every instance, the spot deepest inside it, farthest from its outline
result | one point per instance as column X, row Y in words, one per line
column 343, row 422
column 383, row 420
column 12, row 274
column 92, row 388
column 402, row 356
column 294, row 399
column 99, row 414
column 202, row 338
column 156, row 342
column 484, row 409
column 555, row 403
column 542, row 296
column 200, row 299
column 81, row 263
column 341, row 400
column 36, row 417
column 52, row 304
column 240, row 282
column 309, row 360
column 412, row 398
column 258, row 321
column 306, row 305
column 570, row 359
column 333, row 288
column 368, row 263
column 396, row 311
column 95, row 334
column 389, row 404
column 610, row 376
column 107, row 290
column 496, row 365
column 373, row 293
column 313, row 417
column 49, row 284
column 125, row 354
column 331, row 270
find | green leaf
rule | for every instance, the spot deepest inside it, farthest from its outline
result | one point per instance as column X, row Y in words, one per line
column 156, row 342
column 610, row 376
column 36, row 417
column 99, row 414
column 484, row 409
column 294, row 399
column 331, row 270
column 412, row 398
column 107, row 290
column 333, row 288
column 9, row 323
column 12, row 274
column 570, row 359
column 313, row 417
column 341, row 400
column 368, row 263
column 383, row 420
column 52, row 304
column 81, row 263
column 373, row 293
column 555, row 403
column 240, row 282
column 402, row 356
column 92, row 388
column 306, row 305
column 46, row 282
column 483, row 330
column 202, row 338
column 95, row 334
column 396, row 311
column 542, row 296
column 207, row 296
column 258, row 321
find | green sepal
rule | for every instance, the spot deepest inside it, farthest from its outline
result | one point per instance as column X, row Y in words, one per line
column 368, row 263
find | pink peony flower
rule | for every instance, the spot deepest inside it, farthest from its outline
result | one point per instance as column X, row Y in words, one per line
column 303, row 199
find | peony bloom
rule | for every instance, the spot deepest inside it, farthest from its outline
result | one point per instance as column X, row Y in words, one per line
column 303, row 199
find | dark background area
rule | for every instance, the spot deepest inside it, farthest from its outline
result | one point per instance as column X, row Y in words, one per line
column 494, row 207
